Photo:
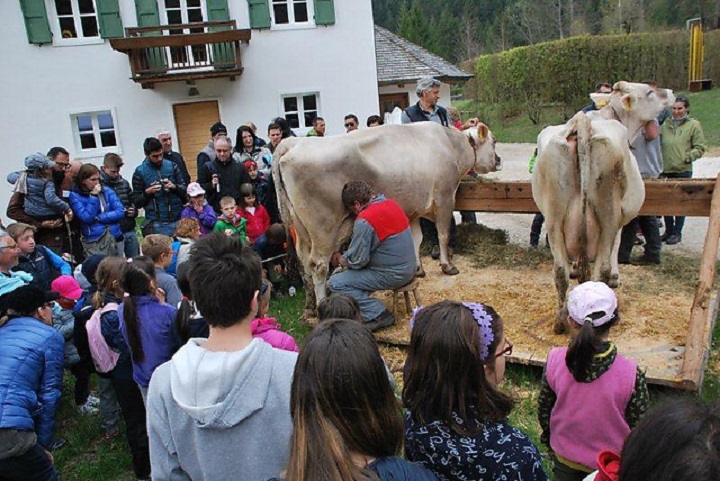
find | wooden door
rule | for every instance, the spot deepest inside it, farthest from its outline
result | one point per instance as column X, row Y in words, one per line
column 389, row 101
column 192, row 124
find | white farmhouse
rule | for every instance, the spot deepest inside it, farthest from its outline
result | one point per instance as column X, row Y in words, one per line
column 99, row 76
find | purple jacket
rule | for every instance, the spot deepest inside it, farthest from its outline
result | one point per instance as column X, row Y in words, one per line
column 206, row 218
column 159, row 339
column 268, row 329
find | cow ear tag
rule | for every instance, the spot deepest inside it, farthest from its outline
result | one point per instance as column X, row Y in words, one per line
column 627, row 102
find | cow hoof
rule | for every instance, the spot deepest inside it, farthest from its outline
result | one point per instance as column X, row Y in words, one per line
column 560, row 327
column 573, row 273
column 449, row 269
column 614, row 281
column 420, row 272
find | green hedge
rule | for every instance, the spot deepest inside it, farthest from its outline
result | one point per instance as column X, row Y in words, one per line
column 565, row 71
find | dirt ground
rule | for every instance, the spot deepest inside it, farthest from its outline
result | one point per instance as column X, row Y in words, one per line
column 654, row 321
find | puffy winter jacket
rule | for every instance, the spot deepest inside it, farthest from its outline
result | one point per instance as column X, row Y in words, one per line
column 124, row 192
column 165, row 205
column 64, row 322
column 43, row 264
column 31, row 372
column 93, row 217
column 41, row 200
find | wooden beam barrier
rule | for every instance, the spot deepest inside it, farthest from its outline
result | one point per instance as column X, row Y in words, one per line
column 690, row 198
column 704, row 309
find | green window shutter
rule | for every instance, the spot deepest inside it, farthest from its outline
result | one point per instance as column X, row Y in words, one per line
column 109, row 18
column 217, row 10
column 223, row 53
column 36, row 21
column 147, row 13
column 324, row 12
column 259, row 13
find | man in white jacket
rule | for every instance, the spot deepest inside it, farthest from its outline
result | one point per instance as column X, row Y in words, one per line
column 220, row 408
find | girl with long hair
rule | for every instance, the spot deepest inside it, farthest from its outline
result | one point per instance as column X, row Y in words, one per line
column 108, row 297
column 347, row 424
column 456, row 422
column 148, row 323
column 190, row 322
column 591, row 396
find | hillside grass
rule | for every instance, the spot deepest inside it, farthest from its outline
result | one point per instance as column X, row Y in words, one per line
column 510, row 128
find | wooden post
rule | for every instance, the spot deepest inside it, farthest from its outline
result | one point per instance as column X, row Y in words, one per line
column 697, row 338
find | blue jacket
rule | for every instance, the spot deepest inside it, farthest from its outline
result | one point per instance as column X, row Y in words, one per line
column 31, row 372
column 93, row 218
column 165, row 205
column 41, row 200
column 158, row 336
column 43, row 264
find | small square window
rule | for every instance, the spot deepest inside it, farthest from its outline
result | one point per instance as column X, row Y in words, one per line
column 95, row 133
column 300, row 110
column 289, row 13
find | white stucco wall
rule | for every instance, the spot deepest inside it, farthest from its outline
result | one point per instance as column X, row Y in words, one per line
column 44, row 85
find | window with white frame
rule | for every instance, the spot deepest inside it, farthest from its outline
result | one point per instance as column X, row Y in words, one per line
column 95, row 132
column 76, row 19
column 300, row 110
column 291, row 13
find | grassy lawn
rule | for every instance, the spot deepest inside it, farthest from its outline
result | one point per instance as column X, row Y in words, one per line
column 704, row 106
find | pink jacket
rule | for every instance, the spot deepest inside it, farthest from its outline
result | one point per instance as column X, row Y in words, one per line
column 268, row 329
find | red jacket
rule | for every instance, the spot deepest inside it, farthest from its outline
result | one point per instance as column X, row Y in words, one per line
column 257, row 224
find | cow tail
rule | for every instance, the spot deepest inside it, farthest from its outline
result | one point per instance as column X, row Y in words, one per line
column 584, row 137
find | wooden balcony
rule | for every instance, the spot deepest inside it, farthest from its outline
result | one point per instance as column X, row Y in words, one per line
column 188, row 52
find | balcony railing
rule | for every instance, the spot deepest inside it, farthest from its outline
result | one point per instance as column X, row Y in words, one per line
column 187, row 51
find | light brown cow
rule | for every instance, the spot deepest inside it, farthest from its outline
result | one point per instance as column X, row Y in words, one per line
column 587, row 184
column 417, row 165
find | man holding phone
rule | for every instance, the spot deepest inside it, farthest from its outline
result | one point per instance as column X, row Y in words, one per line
column 158, row 187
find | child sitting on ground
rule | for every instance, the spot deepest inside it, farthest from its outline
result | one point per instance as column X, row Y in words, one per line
column 37, row 260
column 41, row 200
column 64, row 321
column 257, row 217
column 590, row 396
column 267, row 328
column 190, row 322
column 158, row 248
column 230, row 222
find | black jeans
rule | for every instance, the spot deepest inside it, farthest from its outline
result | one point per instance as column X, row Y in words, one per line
column 430, row 232
column 82, row 382
column 133, row 411
column 536, row 229
column 651, row 231
column 674, row 224
column 33, row 465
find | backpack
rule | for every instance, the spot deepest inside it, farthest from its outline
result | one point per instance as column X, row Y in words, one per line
column 172, row 268
column 104, row 357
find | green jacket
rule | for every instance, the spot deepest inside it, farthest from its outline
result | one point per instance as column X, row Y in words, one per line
column 236, row 226
column 681, row 145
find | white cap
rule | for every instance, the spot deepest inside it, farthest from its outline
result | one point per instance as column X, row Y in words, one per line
column 194, row 189
column 589, row 298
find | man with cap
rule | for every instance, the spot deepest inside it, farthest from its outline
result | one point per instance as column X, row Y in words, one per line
column 31, row 372
column 157, row 186
column 207, row 154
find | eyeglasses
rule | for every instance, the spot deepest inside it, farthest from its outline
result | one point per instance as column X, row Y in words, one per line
column 350, row 124
column 507, row 351
column 64, row 165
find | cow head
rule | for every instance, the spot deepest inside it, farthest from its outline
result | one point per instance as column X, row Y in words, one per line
column 633, row 104
column 483, row 144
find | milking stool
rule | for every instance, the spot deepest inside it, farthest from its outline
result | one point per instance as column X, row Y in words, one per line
column 411, row 286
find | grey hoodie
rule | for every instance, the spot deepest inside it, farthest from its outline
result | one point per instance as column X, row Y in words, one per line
column 221, row 415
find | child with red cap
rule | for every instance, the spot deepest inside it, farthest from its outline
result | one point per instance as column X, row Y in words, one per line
column 591, row 396
column 64, row 321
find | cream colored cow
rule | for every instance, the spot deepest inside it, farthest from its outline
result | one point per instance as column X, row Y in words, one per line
column 587, row 185
column 418, row 165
